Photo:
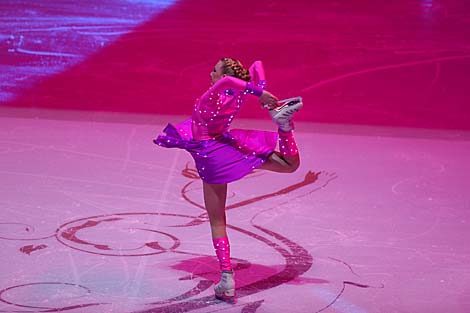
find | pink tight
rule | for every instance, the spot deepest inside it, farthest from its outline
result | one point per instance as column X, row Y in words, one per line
column 287, row 145
column 222, row 250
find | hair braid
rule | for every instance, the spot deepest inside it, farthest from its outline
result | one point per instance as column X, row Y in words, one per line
column 233, row 67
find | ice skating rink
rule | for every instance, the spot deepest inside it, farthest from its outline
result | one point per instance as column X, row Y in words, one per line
column 96, row 218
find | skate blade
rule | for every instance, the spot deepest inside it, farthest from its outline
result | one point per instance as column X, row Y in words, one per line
column 288, row 102
column 298, row 98
column 225, row 298
column 282, row 103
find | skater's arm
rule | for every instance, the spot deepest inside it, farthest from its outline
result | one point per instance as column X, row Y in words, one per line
column 258, row 78
column 257, row 74
column 230, row 82
column 266, row 98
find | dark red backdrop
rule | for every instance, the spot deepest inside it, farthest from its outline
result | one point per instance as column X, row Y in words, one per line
column 398, row 63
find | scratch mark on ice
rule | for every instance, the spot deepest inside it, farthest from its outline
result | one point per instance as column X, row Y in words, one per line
column 48, row 53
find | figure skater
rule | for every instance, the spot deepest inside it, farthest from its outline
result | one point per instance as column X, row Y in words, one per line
column 223, row 156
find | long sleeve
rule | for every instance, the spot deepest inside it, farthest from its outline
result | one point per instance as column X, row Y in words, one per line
column 258, row 77
column 229, row 82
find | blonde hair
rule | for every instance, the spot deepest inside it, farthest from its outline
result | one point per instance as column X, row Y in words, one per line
column 233, row 67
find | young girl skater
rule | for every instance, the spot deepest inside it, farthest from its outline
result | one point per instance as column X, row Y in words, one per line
column 223, row 156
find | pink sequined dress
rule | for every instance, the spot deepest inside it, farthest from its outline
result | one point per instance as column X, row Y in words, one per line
column 221, row 154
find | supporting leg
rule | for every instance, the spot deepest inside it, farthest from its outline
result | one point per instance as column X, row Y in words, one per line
column 215, row 196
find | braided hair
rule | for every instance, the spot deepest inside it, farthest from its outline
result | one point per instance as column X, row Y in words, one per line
column 233, row 67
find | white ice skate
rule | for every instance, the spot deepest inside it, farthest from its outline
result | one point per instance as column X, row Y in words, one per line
column 225, row 288
column 282, row 115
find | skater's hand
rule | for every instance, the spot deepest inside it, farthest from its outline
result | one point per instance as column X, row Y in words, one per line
column 268, row 100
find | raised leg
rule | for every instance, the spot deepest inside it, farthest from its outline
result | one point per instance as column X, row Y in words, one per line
column 287, row 160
